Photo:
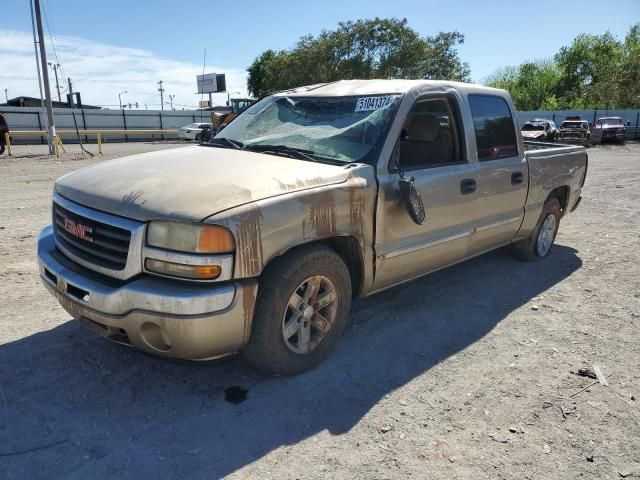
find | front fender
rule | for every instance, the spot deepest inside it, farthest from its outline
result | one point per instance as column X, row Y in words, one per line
column 268, row 228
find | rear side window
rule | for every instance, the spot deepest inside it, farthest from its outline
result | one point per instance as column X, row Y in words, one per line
column 495, row 130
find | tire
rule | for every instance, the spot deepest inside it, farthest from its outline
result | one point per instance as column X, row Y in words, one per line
column 535, row 246
column 268, row 349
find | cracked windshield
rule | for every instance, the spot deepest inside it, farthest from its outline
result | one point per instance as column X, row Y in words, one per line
column 346, row 129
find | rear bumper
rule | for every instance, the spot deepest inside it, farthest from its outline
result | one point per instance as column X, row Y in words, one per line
column 177, row 319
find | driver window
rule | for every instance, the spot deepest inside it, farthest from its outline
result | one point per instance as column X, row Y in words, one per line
column 431, row 136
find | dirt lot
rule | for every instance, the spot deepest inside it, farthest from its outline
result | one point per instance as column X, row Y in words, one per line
column 466, row 373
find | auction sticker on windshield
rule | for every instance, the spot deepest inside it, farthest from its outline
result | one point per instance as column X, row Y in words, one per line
column 367, row 104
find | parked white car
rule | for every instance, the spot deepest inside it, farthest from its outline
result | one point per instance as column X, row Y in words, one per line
column 191, row 131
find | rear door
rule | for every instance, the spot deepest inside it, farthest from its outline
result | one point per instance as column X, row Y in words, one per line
column 503, row 175
column 433, row 153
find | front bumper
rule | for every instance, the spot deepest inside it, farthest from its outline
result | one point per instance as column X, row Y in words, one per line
column 179, row 319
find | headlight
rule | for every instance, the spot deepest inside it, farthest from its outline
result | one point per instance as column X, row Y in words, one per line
column 190, row 237
column 189, row 250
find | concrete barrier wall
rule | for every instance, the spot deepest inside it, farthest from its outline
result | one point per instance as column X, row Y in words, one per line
column 92, row 119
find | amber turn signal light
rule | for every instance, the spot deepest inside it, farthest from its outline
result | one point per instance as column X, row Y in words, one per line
column 215, row 239
column 195, row 272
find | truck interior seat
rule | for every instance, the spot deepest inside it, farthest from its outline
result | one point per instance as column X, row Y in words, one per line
column 427, row 143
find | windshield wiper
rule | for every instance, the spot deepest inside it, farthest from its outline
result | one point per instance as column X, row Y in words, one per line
column 298, row 153
column 225, row 142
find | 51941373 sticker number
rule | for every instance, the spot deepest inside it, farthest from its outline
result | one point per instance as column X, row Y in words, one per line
column 367, row 104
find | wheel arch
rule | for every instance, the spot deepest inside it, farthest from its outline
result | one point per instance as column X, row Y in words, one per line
column 348, row 249
column 562, row 194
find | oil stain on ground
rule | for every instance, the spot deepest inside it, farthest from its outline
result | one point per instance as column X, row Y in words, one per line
column 235, row 395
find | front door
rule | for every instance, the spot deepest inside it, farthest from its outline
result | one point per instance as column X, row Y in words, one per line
column 433, row 153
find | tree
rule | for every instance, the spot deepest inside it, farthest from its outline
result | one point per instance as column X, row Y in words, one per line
column 377, row 48
column 630, row 82
column 595, row 71
column 591, row 71
column 531, row 85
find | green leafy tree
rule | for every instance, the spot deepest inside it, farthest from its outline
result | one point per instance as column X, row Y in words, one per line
column 531, row 85
column 591, row 70
column 595, row 71
column 630, row 81
column 377, row 48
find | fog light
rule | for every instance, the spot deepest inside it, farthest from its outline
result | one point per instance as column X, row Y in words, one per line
column 155, row 336
column 196, row 272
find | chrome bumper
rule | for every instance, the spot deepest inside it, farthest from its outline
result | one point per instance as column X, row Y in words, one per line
column 173, row 318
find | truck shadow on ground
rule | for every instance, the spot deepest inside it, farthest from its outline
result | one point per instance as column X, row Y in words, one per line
column 81, row 407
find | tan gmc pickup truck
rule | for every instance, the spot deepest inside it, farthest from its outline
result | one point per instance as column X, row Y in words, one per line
column 258, row 241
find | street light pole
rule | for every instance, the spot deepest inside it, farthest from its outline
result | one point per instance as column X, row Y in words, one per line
column 171, row 97
column 6, row 95
column 120, row 98
column 55, row 67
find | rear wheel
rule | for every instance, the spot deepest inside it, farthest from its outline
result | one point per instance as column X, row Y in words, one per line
column 538, row 244
column 302, row 308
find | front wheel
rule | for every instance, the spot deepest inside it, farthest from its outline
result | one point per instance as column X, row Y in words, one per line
column 538, row 244
column 301, row 310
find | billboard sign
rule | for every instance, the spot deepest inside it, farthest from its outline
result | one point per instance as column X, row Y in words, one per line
column 211, row 83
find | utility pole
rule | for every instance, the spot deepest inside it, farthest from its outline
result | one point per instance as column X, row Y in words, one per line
column 161, row 90
column 70, row 91
column 171, row 97
column 45, row 77
column 55, row 67
column 35, row 51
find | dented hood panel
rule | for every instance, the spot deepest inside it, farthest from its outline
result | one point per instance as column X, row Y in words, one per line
column 191, row 183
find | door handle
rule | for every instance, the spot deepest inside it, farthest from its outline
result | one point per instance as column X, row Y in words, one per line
column 516, row 178
column 468, row 185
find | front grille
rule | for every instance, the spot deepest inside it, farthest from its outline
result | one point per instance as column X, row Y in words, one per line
column 94, row 242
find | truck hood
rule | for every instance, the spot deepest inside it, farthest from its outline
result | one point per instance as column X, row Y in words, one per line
column 191, row 183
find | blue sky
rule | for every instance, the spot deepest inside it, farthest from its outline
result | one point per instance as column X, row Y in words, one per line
column 157, row 39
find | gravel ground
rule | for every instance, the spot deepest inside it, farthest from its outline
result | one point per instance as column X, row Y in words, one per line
column 466, row 373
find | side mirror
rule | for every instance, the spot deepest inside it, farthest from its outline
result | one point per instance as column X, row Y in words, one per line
column 408, row 192
column 412, row 199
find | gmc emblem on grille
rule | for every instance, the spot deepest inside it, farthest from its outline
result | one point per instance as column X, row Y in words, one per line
column 78, row 230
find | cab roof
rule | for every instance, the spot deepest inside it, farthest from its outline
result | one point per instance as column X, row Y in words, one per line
column 345, row 88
